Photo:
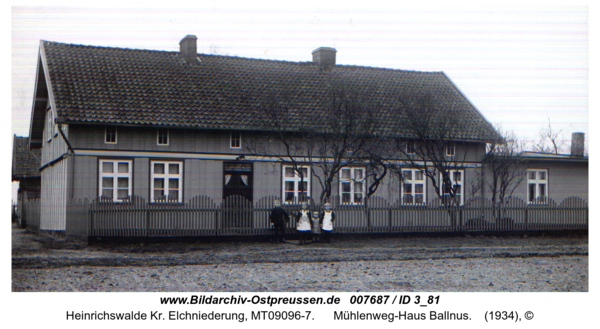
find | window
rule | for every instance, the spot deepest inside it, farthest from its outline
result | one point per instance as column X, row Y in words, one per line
column 352, row 185
column 294, row 189
column 537, row 185
column 456, row 179
column 451, row 150
column 110, row 135
column 115, row 179
column 166, row 181
column 235, row 140
column 410, row 147
column 413, row 187
column 162, row 136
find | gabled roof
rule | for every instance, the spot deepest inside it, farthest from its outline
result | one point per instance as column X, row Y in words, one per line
column 25, row 163
column 144, row 87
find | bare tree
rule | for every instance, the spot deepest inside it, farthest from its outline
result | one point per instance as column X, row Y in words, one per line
column 430, row 145
column 339, row 134
column 547, row 135
column 504, row 163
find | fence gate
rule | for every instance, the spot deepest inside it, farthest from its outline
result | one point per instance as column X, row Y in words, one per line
column 236, row 215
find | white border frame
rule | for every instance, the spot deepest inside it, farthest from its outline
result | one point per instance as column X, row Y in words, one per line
column 115, row 175
column 295, row 179
column 538, row 182
column 413, row 182
column 166, row 176
column 352, row 180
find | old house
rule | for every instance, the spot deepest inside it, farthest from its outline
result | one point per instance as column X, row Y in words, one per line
column 170, row 126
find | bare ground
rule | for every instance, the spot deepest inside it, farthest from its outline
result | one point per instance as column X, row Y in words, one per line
column 472, row 263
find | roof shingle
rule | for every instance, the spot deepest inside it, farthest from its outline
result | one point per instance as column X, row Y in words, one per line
column 25, row 164
column 146, row 87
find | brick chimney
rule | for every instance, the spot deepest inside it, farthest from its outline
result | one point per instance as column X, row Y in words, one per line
column 324, row 56
column 577, row 144
column 187, row 48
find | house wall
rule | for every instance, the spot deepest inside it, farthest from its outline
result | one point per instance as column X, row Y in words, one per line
column 85, row 177
column 205, row 176
column 565, row 179
column 54, row 196
column 55, row 180
column 145, row 139
column 53, row 145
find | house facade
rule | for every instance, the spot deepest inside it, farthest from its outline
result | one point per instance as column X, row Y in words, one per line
column 169, row 126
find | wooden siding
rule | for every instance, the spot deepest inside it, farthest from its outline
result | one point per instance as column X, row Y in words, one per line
column 85, row 177
column 56, row 147
column 54, row 196
column 144, row 139
column 203, row 177
column 199, row 141
column 141, row 178
column 267, row 180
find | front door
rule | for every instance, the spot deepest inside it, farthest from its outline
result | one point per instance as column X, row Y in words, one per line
column 237, row 180
column 237, row 195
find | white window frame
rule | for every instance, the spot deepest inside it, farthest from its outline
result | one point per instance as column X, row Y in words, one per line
column 166, row 176
column 158, row 131
column 461, row 183
column 106, row 135
column 352, row 180
column 451, row 150
column 296, row 180
column 231, row 140
column 115, row 175
column 537, row 181
column 413, row 182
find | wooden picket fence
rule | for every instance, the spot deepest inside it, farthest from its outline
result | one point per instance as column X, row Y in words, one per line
column 201, row 216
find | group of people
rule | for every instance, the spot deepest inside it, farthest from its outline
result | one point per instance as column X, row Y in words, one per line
column 308, row 227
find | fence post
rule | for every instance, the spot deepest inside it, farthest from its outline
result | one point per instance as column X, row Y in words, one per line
column 526, row 219
column 217, row 213
column 460, row 218
column 147, row 221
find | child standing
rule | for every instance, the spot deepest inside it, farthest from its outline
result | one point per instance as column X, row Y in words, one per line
column 303, row 222
column 316, row 226
column 327, row 218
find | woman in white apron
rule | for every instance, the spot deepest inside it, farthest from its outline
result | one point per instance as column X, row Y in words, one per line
column 327, row 218
column 303, row 222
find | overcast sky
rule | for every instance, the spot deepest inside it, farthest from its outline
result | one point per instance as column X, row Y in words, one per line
column 520, row 66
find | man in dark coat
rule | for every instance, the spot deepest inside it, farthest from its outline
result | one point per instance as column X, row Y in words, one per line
column 278, row 217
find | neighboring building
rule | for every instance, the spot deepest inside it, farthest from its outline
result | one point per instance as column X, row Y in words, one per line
column 170, row 126
column 25, row 170
column 556, row 176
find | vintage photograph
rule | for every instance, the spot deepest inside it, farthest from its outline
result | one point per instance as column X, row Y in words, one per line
column 282, row 150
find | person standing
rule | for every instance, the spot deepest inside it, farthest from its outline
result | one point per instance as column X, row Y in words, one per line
column 278, row 217
column 316, row 226
column 327, row 218
column 303, row 222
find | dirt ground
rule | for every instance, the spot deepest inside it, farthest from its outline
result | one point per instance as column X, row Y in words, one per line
column 471, row 263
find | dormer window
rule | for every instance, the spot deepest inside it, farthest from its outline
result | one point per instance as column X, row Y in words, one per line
column 110, row 135
column 235, row 141
column 163, row 136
